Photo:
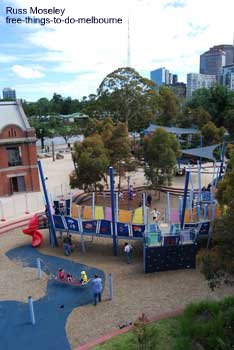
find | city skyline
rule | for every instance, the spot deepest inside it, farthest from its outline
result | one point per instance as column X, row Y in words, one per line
column 73, row 59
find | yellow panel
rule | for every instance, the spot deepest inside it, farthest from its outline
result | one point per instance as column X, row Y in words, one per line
column 125, row 216
column 74, row 211
column 99, row 213
column 87, row 213
column 138, row 216
column 187, row 216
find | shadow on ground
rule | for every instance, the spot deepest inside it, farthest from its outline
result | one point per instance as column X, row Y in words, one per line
column 51, row 311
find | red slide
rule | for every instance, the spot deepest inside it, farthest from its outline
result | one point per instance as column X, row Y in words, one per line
column 33, row 225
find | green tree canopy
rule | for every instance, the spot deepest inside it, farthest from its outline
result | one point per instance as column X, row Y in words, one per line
column 161, row 151
column 211, row 134
column 218, row 262
column 217, row 100
column 91, row 161
column 129, row 97
column 119, row 149
column 168, row 106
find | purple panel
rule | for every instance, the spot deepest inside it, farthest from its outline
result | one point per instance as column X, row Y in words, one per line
column 175, row 217
column 108, row 214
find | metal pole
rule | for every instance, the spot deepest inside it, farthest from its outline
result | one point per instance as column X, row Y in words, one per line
column 185, row 198
column 53, row 154
column 169, row 207
column 180, row 207
column 117, row 206
column 2, row 212
column 129, row 177
column 26, row 204
column 191, row 204
column 53, row 238
column 110, row 287
column 113, row 209
column 81, row 232
column 39, row 268
column 31, row 310
column 93, row 205
column 199, row 181
column 144, row 211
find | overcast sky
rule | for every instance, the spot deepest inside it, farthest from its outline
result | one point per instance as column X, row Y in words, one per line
column 72, row 59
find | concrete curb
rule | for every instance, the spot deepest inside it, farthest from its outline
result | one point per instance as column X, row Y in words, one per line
column 92, row 343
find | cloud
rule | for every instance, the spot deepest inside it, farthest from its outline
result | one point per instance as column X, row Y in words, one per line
column 7, row 58
column 176, row 4
column 196, row 29
column 170, row 33
column 28, row 72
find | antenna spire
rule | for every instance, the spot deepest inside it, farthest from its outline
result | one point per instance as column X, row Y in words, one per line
column 129, row 49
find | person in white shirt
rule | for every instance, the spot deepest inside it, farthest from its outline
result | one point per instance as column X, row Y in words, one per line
column 128, row 251
column 156, row 214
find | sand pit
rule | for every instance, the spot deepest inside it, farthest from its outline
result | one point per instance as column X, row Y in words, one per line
column 134, row 292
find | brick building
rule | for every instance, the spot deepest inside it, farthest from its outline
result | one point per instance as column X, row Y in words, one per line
column 18, row 156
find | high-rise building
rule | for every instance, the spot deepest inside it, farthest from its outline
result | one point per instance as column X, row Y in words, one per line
column 158, row 76
column 227, row 77
column 229, row 53
column 197, row 81
column 218, row 56
column 174, row 78
column 212, row 61
column 8, row 94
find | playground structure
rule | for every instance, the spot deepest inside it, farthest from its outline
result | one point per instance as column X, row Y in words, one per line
column 179, row 232
column 32, row 230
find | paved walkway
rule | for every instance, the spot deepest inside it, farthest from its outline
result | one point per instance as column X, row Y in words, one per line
column 51, row 311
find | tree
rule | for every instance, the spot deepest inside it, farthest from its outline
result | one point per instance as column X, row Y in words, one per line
column 218, row 262
column 91, row 161
column 161, row 151
column 217, row 100
column 119, row 150
column 194, row 117
column 67, row 131
column 128, row 97
column 211, row 134
column 168, row 106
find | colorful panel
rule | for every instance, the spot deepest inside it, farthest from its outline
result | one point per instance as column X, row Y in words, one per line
column 122, row 229
column 89, row 227
column 108, row 213
column 138, row 216
column 105, row 228
column 175, row 216
column 99, row 213
column 187, row 216
column 74, row 211
column 58, row 222
column 125, row 216
column 72, row 224
column 87, row 213
column 138, row 230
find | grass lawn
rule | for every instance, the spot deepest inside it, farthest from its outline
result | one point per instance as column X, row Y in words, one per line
column 207, row 325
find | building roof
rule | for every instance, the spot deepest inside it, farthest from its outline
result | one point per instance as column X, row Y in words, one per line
column 76, row 115
column 172, row 130
column 11, row 113
column 202, row 152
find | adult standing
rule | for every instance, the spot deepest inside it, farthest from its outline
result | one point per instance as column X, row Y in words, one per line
column 128, row 251
column 149, row 200
column 97, row 289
